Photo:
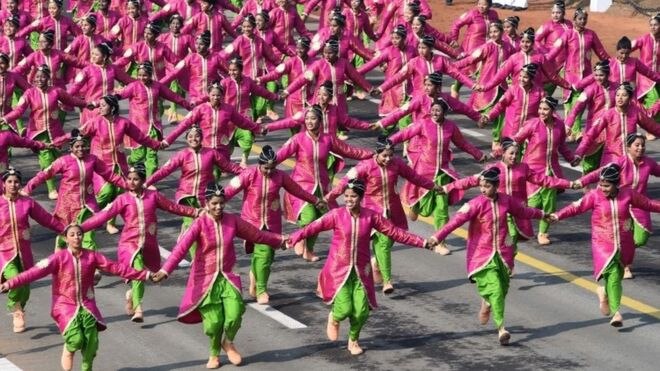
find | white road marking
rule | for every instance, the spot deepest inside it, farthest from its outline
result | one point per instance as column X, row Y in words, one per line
column 165, row 254
column 7, row 365
column 278, row 316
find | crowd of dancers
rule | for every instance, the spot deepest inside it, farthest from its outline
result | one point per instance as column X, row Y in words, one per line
column 226, row 63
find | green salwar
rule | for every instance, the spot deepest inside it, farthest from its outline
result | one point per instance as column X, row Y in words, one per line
column 88, row 241
column 222, row 311
column 640, row 235
column 382, row 246
column 351, row 302
column 513, row 234
column 612, row 280
column 137, row 286
column 16, row 96
column 261, row 105
column 108, row 191
column 146, row 155
column 176, row 87
column 82, row 335
column 493, row 284
column 308, row 214
column 262, row 259
column 18, row 295
column 187, row 221
column 568, row 106
column 546, row 200
column 650, row 98
column 46, row 158
column 592, row 162
column 434, row 203
column 244, row 140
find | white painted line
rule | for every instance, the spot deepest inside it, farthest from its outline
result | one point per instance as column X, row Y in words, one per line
column 278, row 316
column 472, row 133
column 7, row 365
column 165, row 254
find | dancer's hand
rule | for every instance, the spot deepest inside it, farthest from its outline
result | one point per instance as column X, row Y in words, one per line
column 263, row 129
column 430, row 243
column 286, row 239
column 163, row 144
column 283, row 94
column 439, row 189
column 23, row 192
column 483, row 122
column 576, row 184
column 576, row 161
column 551, row 218
column 321, row 205
column 158, row 276
column 376, row 93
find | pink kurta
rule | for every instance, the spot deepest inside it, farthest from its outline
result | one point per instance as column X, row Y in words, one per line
column 435, row 158
column 598, row 99
column 73, row 283
column 254, row 52
column 311, row 171
column 629, row 70
column 140, row 231
column 129, row 31
column 381, row 193
column 549, row 33
column 158, row 54
column 420, row 109
column 15, row 48
column 419, row 67
column 611, row 224
column 196, row 171
column 215, row 22
column 55, row 60
column 514, row 182
column 81, row 47
column 105, row 22
column 649, row 54
column 253, row 7
column 544, row 144
column 239, row 93
column 180, row 44
column 285, row 21
column 578, row 47
column 512, row 67
column 487, row 233
column 9, row 139
column 292, row 68
column 63, row 27
column 519, row 105
column 332, row 118
column 195, row 73
column 348, row 45
column 185, row 8
column 76, row 191
column 616, row 125
column 9, row 81
column 15, row 229
column 215, row 257
column 350, row 248
column 476, row 33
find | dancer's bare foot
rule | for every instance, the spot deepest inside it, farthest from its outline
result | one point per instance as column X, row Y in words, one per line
column 67, row 359
column 332, row 330
column 354, row 348
column 232, row 353
column 253, row 286
column 543, row 239
column 603, row 303
column 617, row 320
column 627, row 273
column 503, row 336
column 378, row 278
column 129, row 302
column 442, row 248
column 18, row 319
column 310, row 256
column 111, row 229
column 138, row 316
column 484, row 312
column 263, row 298
column 388, row 288
column 214, row 362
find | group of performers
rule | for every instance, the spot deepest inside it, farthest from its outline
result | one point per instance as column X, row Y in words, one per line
column 227, row 63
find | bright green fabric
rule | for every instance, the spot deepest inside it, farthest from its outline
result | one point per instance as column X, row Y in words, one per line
column 612, row 280
column 592, row 162
column 650, row 98
column 493, row 285
column 243, row 139
column 434, row 203
column 568, row 106
column 351, row 302
column 137, row 286
column 187, row 221
column 512, row 231
column 308, row 214
column 262, row 260
column 88, row 241
column 146, row 155
column 222, row 311
column 546, row 200
column 82, row 335
column 382, row 246
column 18, row 295
column 46, row 158
column 640, row 235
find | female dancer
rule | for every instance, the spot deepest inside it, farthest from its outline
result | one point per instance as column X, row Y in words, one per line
column 43, row 125
column 106, row 18
column 347, row 42
column 648, row 45
column 261, row 186
column 149, row 50
column 213, row 292
column 212, row 20
column 129, row 29
column 380, row 175
column 511, row 34
column 553, row 30
column 82, row 45
column 15, row 249
column 545, row 136
column 63, row 27
column 490, row 259
column 16, row 48
column 598, row 98
column 611, row 237
column 74, row 307
column 138, row 243
column 345, row 281
column 10, row 84
column 311, row 148
column 285, row 20
column 8, row 138
column 76, row 202
column 636, row 169
column 434, row 162
column 144, row 96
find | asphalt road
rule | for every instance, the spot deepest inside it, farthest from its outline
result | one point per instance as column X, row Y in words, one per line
column 430, row 322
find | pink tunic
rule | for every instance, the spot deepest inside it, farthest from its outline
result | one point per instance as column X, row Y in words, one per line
column 392, row 16
column 24, row 17
column 578, row 46
column 597, row 98
column 81, row 47
column 254, row 52
column 73, row 283
column 280, row 50
column 76, row 191
column 435, row 158
column 358, row 23
column 195, row 73
column 512, row 67
column 44, row 110
column 253, row 7
column 292, row 68
column 394, row 59
column 62, row 26
column 420, row 108
column 311, row 172
column 513, row 182
column 15, row 48
column 611, row 224
column 350, row 248
column 217, row 124
column 10, row 139
column 326, row 6
column 487, row 233
column 649, row 54
column 544, row 144
column 196, row 171
column 549, row 33
column 419, row 67
column 55, row 60
column 128, row 31
column 180, row 44
column 140, row 232
column 158, row 54
column 347, row 43
column 616, row 125
column 476, row 33
column 9, row 81
column 105, row 22
column 215, row 23
column 519, row 105
column 15, row 229
column 381, row 193
column 629, row 70
column 285, row 21
column 215, row 257
column 332, row 118
column 238, row 93
column 185, row 8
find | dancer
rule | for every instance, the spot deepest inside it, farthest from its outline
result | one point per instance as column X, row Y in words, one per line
column 15, row 244
column 490, row 259
column 344, row 280
column 138, row 243
column 74, row 306
column 611, row 238
column 212, row 20
column 648, row 91
column 213, row 292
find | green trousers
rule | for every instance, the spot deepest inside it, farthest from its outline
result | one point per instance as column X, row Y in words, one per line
column 88, row 242
column 640, row 235
column 612, row 280
column 592, row 162
column 18, row 295
column 513, row 234
column 650, row 98
column 222, row 311
column 546, row 200
column 261, row 105
column 82, row 335
column 568, row 106
column 16, row 96
column 46, row 158
column 496, row 131
column 137, row 286
column 382, row 246
column 243, row 139
column 187, row 221
column 262, row 259
column 434, row 203
column 351, row 302
column 176, row 87
column 493, row 285
column 308, row 214
column 146, row 155
column 109, row 191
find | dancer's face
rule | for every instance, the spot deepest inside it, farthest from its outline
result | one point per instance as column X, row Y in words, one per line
column 194, row 140
column 557, row 14
column 622, row 98
column 234, row 71
column 79, row 149
column 12, row 185
column 385, row 157
column 215, row 205
column 87, row 28
column 525, row 79
column 53, row 9
column 526, row 45
column 248, row 29
column 424, row 50
column 74, row 236
column 581, row 21
column 429, row 87
column 132, row 10
column 396, row 40
column 637, row 149
column 175, row 25
column 312, row 122
column 41, row 79
column 608, row 189
column 509, row 29
column 482, row 6
column 3, row 66
column 494, row 33
column 104, row 108
column 545, row 112
column 143, row 76
column 135, row 183
column 323, row 97
column 215, row 96
column 600, row 76
column 487, row 188
column 437, row 113
column 351, row 199
column 655, row 27
column 416, row 26
column 9, row 29
column 267, row 169
column 622, row 54
column 149, row 35
column 335, row 28
column 509, row 155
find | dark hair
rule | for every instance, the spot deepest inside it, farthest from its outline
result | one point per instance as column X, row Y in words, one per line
column 624, row 43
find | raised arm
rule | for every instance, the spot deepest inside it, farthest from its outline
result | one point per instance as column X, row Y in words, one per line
column 116, row 269
column 578, row 207
column 343, row 149
column 164, row 203
column 46, row 219
column 465, row 213
column 400, row 235
column 175, row 162
column 250, row 233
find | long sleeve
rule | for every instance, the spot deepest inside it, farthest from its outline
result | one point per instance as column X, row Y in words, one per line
column 20, row 142
column 387, row 228
column 459, row 140
column 105, row 171
column 250, row 233
column 294, row 189
column 103, row 216
column 578, row 207
column 373, row 63
column 324, row 223
column 452, row 71
column 182, row 246
column 357, row 78
column 563, row 146
column 504, row 71
column 116, row 269
column 459, row 107
column 165, row 204
column 20, row 108
column 465, row 213
column 501, row 105
column 640, row 201
column 463, row 183
column 175, row 162
column 242, row 122
column 191, row 118
column 69, row 99
column 175, row 72
column 524, row 134
column 410, row 175
column 294, row 121
column 135, row 133
column 346, row 150
column 397, row 78
column 547, row 181
column 43, row 175
column 40, row 270
column 287, row 150
column 590, row 136
column 648, row 123
column 46, row 219
column 225, row 164
column 236, row 184
column 406, row 134
column 646, row 71
column 171, row 96
column 518, row 209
